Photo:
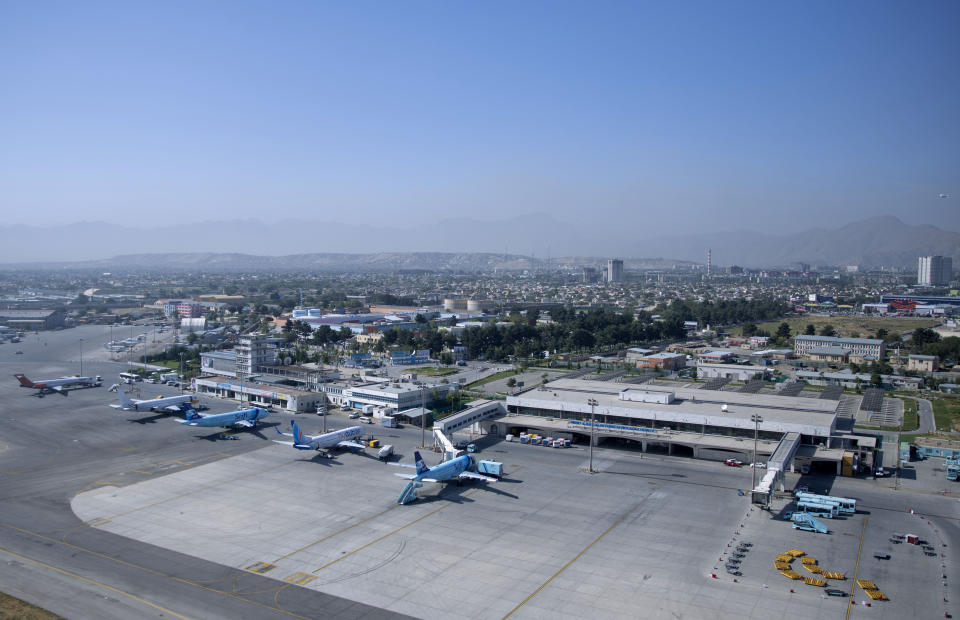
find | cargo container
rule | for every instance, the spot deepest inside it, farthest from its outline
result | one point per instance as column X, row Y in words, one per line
column 389, row 421
column 385, row 452
column 490, row 468
column 508, row 438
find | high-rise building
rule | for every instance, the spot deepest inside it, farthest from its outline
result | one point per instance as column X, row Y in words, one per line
column 614, row 270
column 934, row 270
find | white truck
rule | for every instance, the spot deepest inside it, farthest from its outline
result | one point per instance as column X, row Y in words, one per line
column 167, row 377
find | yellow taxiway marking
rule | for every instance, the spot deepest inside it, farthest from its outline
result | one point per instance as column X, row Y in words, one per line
column 300, row 579
column 140, row 471
column 261, row 567
column 579, row 555
column 856, row 566
column 337, row 533
column 96, row 583
column 97, row 522
column 128, row 449
column 389, row 534
column 179, row 462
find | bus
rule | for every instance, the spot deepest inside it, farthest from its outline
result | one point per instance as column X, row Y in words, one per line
column 845, row 505
column 130, row 377
column 817, row 509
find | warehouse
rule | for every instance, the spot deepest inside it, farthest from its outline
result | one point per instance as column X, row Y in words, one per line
column 32, row 319
column 734, row 372
column 679, row 420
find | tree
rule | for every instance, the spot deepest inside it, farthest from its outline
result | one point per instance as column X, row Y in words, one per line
column 783, row 331
column 511, row 382
column 876, row 379
column 882, row 334
column 827, row 330
column 810, row 330
column 750, row 329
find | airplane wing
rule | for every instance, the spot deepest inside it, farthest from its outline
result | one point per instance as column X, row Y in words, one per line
column 402, row 465
column 244, row 423
column 173, row 408
column 119, row 407
column 279, row 432
column 57, row 388
column 406, row 476
column 286, row 443
column 350, row 444
column 473, row 476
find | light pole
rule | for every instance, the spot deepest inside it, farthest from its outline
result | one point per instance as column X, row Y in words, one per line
column 81, row 357
column 423, row 418
column 756, row 419
column 593, row 429
column 181, row 373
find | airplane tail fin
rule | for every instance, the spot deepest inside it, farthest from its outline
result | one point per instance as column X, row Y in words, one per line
column 124, row 398
column 421, row 465
column 24, row 381
column 191, row 414
column 297, row 435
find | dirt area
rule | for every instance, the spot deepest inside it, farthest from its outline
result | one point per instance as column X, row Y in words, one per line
column 14, row 609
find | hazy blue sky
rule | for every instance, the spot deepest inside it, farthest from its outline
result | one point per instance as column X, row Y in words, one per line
column 659, row 116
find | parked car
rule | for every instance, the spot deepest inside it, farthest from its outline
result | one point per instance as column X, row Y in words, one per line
column 835, row 592
column 366, row 420
column 19, row 352
column 354, row 415
column 758, row 465
column 733, row 463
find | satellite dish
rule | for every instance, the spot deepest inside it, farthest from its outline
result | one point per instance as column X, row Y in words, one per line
column 286, row 361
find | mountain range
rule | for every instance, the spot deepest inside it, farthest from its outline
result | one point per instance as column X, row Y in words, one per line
column 458, row 244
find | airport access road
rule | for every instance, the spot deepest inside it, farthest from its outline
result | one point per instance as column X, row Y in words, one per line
column 54, row 447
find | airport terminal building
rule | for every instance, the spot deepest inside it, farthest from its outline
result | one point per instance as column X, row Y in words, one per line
column 708, row 424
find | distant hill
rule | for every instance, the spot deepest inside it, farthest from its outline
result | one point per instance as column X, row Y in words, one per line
column 470, row 245
column 882, row 241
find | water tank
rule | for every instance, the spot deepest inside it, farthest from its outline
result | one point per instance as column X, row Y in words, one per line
column 454, row 304
column 474, row 306
column 315, row 312
column 299, row 313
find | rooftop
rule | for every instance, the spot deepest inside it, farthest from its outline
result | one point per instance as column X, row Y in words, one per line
column 834, row 339
column 690, row 405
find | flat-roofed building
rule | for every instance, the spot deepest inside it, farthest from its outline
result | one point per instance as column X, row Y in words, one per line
column 703, row 424
column 735, row 372
column 259, row 395
column 663, row 361
column 833, row 354
column 923, row 363
column 859, row 347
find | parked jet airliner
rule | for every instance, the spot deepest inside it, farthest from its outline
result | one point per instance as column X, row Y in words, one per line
column 245, row 418
column 336, row 439
column 169, row 403
column 49, row 386
column 457, row 468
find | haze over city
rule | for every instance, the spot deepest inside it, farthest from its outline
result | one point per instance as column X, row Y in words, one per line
column 618, row 121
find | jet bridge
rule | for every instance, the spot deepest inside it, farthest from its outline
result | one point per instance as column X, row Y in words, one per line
column 779, row 461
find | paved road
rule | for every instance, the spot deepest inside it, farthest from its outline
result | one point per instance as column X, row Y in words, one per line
column 54, row 447
column 925, row 416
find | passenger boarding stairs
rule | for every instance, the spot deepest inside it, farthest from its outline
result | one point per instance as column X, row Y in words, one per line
column 803, row 521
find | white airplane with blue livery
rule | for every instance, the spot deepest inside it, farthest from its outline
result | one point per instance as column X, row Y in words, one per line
column 336, row 439
column 456, row 469
column 245, row 418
